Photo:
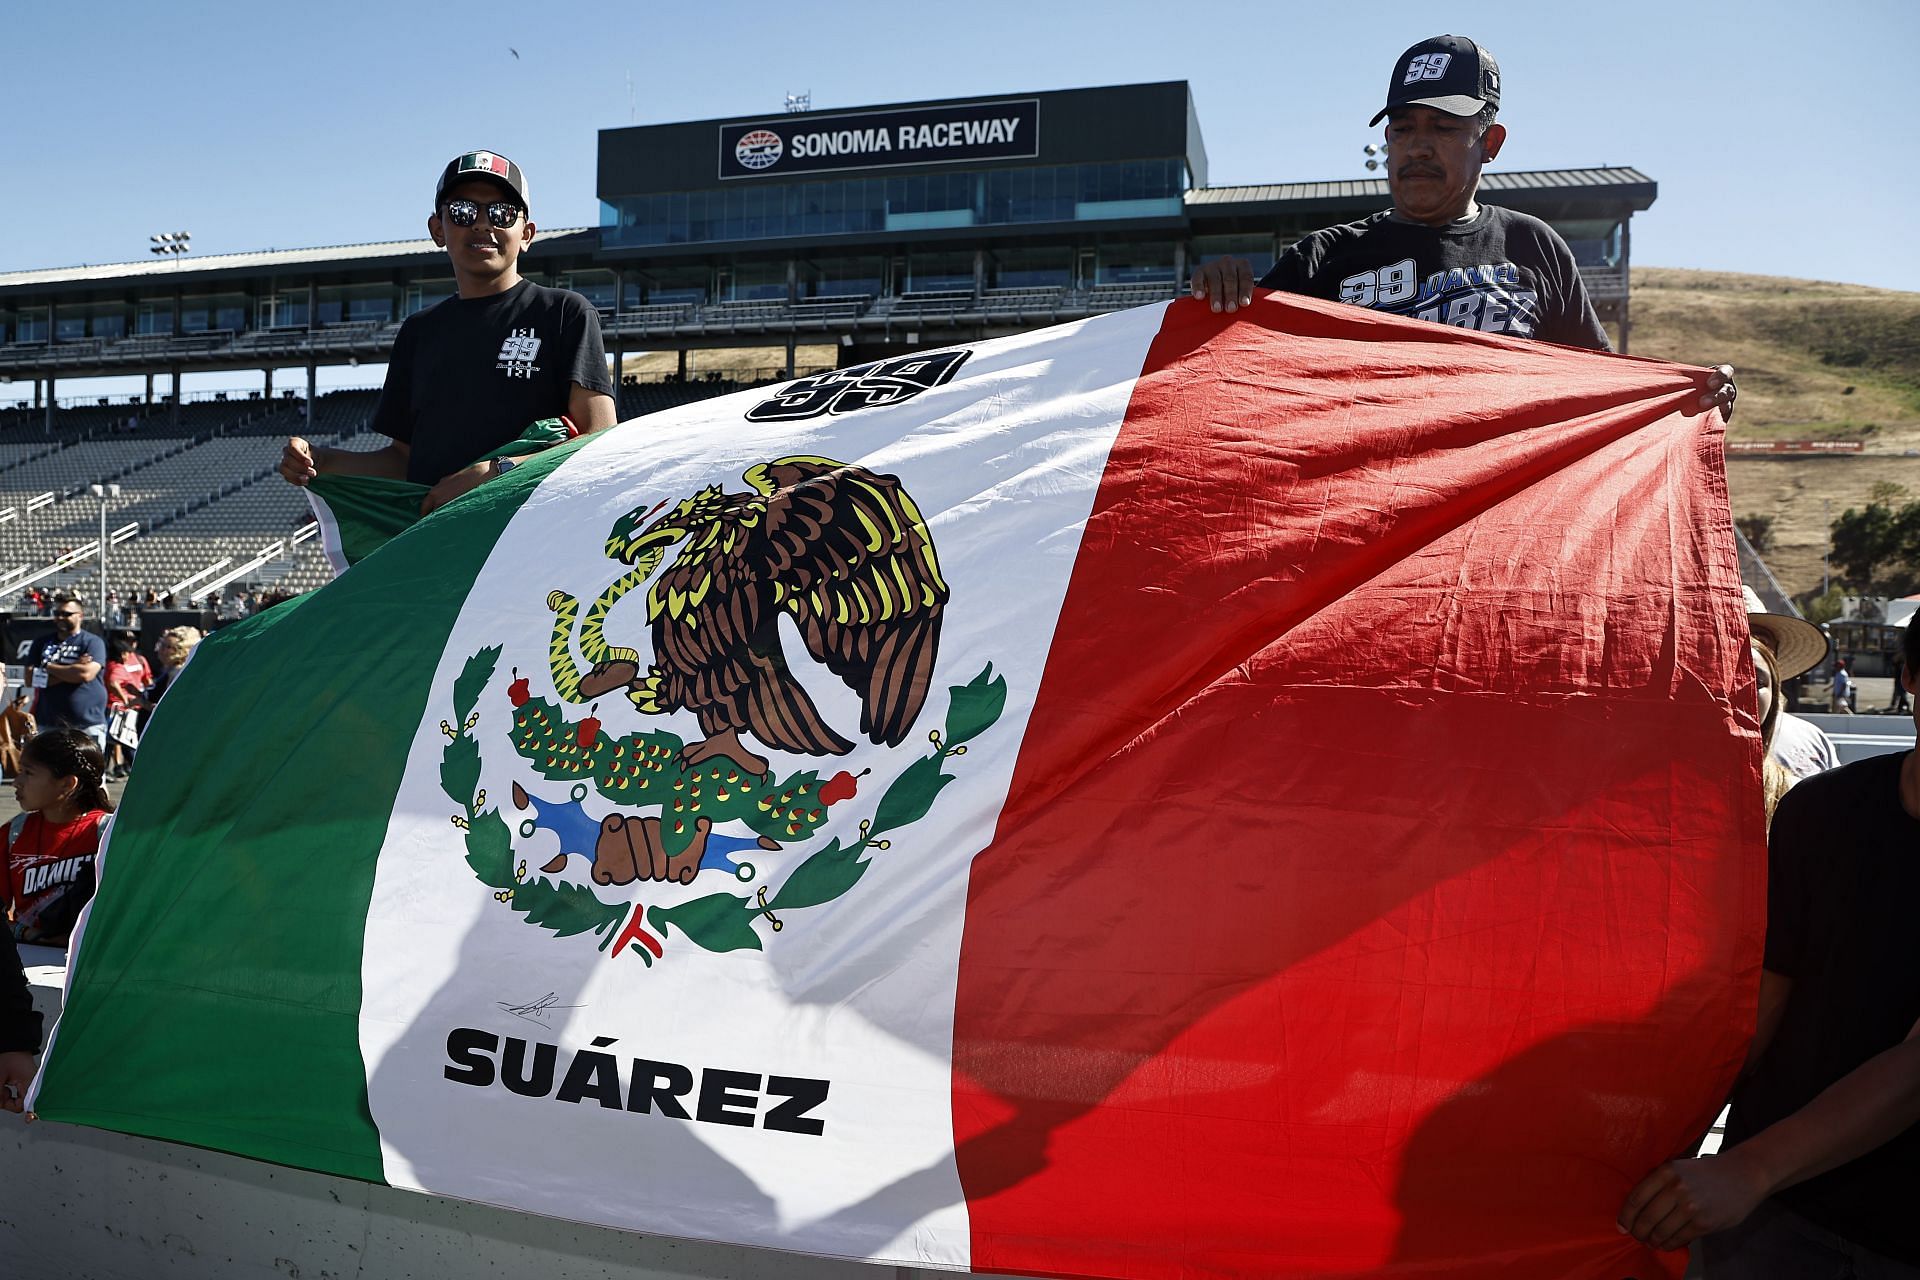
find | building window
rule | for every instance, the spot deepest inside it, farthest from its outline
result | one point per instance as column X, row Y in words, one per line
column 755, row 282
column 229, row 311
column 284, row 310
column 1030, row 268
column 940, row 273
column 1595, row 242
column 370, row 304
column 597, row 287
column 841, row 277
column 422, row 294
column 153, row 319
column 851, row 206
column 1134, row 264
column 1257, row 250
column 671, row 286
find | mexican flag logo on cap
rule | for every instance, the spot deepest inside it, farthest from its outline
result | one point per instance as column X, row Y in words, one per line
column 483, row 162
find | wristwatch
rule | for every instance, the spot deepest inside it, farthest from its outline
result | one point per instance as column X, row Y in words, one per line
column 503, row 465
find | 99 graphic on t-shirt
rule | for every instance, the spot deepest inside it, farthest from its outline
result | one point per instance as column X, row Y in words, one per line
column 517, row 354
column 1486, row 297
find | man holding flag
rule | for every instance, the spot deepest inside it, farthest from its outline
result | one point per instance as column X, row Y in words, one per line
column 1438, row 254
column 486, row 379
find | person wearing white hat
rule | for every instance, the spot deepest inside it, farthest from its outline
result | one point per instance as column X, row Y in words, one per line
column 1798, row 646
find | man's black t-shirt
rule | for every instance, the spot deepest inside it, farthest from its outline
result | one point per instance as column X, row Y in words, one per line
column 1843, row 895
column 469, row 374
column 1499, row 272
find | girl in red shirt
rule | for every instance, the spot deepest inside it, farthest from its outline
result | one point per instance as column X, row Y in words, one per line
column 49, row 872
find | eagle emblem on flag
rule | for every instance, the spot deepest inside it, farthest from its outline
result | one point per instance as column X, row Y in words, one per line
column 845, row 554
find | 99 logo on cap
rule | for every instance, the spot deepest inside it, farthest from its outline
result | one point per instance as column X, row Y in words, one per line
column 1427, row 66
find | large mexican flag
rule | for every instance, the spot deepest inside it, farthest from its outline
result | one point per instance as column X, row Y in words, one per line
column 1169, row 795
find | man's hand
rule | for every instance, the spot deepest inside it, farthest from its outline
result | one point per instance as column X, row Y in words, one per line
column 297, row 462
column 1226, row 284
column 16, row 1073
column 1683, row 1200
column 465, row 480
column 1720, row 391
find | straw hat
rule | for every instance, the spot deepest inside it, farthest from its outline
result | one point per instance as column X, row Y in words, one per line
column 1798, row 646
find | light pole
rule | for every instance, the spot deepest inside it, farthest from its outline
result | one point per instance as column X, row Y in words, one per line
column 171, row 242
column 1376, row 153
column 103, row 492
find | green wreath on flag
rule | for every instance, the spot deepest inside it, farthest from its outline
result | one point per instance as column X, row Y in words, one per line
column 642, row 770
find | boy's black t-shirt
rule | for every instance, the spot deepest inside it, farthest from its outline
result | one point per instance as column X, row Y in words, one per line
column 1843, row 892
column 468, row 375
column 1500, row 272
column 19, row 1020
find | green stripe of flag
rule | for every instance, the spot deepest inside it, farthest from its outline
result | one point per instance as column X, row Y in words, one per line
column 216, row 994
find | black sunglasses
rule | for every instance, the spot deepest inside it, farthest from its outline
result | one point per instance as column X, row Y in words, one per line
column 501, row 213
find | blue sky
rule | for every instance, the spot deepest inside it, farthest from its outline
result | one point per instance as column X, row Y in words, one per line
column 1769, row 126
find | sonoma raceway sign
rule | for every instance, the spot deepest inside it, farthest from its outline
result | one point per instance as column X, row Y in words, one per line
column 874, row 139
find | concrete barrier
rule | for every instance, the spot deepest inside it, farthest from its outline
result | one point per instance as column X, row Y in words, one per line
column 85, row 1204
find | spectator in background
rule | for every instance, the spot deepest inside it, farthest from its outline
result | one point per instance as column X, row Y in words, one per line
column 16, row 727
column 175, row 646
column 128, row 677
column 1775, row 780
column 67, row 669
column 1842, row 687
column 1797, row 647
column 49, row 872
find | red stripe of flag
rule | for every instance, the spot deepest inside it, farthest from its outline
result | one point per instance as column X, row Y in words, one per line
column 1380, row 887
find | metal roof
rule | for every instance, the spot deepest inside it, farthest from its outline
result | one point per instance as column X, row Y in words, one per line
column 330, row 255
column 1362, row 189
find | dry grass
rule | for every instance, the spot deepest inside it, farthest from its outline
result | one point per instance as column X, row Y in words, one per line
column 729, row 360
column 1815, row 360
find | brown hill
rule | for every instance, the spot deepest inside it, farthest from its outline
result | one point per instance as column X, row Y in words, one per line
column 1816, row 361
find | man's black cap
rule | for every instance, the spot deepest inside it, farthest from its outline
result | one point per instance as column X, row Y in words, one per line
column 489, row 165
column 1448, row 73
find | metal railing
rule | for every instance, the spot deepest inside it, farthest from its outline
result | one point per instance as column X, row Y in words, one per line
column 374, row 339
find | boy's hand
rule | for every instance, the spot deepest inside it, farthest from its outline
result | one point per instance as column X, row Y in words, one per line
column 297, row 462
column 463, row 481
column 16, row 1073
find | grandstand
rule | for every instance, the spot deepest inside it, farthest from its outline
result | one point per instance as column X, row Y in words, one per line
column 193, row 508
column 1085, row 201
column 187, row 502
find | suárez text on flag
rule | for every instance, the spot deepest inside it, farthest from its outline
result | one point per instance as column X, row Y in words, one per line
column 1166, row 795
